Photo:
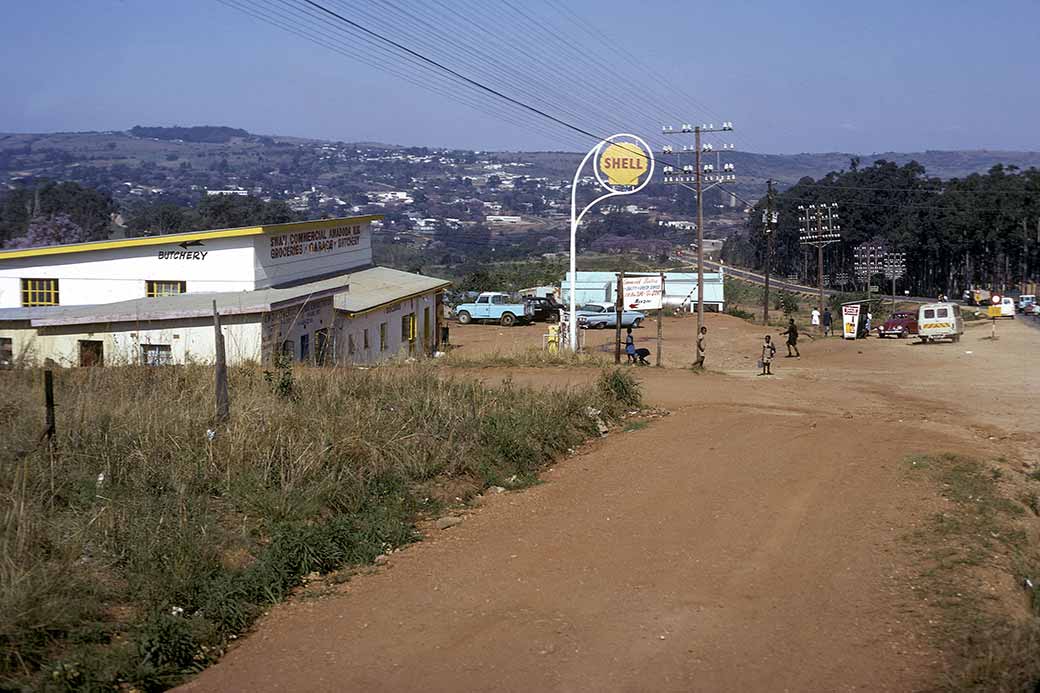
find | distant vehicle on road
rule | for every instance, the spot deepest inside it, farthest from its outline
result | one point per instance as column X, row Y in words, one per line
column 598, row 316
column 1024, row 301
column 901, row 325
column 497, row 307
column 937, row 321
column 544, row 308
column 1007, row 307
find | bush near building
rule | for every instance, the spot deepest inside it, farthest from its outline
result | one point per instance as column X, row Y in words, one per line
column 147, row 537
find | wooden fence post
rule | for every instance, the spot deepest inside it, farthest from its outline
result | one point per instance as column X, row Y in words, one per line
column 223, row 402
column 660, row 321
column 48, row 398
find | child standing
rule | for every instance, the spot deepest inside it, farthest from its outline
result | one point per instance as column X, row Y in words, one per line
column 630, row 346
column 768, row 352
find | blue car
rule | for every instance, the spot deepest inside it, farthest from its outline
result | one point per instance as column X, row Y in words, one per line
column 598, row 316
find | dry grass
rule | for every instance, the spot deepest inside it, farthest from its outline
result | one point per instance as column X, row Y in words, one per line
column 979, row 533
column 136, row 547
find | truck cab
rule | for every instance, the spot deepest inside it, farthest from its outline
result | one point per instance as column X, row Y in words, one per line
column 494, row 306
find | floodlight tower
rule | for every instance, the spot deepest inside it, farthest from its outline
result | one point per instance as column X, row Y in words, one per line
column 895, row 268
column 820, row 231
column 697, row 174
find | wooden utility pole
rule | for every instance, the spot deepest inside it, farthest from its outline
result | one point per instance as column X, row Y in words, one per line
column 697, row 177
column 700, row 229
column 223, row 402
column 769, row 222
column 660, row 323
column 619, row 307
column 820, row 231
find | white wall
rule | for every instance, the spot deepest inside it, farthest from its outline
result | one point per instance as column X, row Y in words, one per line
column 295, row 256
column 222, row 264
column 119, row 274
column 391, row 315
column 189, row 340
column 289, row 324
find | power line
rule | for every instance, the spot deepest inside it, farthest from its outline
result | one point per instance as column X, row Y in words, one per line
column 454, row 73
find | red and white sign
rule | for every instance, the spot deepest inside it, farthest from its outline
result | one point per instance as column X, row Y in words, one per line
column 850, row 318
column 643, row 293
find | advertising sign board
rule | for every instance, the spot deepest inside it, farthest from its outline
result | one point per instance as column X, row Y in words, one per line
column 850, row 318
column 643, row 293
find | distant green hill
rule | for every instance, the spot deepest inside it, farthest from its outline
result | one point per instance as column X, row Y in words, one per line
column 211, row 134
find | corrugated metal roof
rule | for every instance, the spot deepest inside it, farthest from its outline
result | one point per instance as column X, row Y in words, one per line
column 355, row 292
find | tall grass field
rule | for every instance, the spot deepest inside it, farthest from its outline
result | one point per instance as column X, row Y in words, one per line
column 145, row 536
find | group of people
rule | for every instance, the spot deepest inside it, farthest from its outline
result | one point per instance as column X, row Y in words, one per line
column 769, row 348
column 639, row 356
column 826, row 318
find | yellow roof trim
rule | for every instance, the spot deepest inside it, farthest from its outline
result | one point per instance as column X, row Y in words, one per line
column 175, row 238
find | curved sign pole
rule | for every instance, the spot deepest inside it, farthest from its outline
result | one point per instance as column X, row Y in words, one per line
column 625, row 169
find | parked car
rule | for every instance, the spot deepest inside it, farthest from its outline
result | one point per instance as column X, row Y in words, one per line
column 937, row 321
column 1024, row 301
column 901, row 324
column 544, row 308
column 496, row 307
column 598, row 316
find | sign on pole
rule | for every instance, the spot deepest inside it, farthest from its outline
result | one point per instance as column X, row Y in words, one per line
column 623, row 164
column 643, row 293
column 850, row 321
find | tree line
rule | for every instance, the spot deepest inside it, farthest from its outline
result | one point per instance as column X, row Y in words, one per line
column 60, row 213
column 979, row 231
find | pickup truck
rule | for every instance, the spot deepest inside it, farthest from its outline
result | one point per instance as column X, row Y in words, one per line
column 497, row 307
column 598, row 316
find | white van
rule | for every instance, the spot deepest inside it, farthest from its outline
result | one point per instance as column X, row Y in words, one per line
column 1007, row 307
column 940, row 321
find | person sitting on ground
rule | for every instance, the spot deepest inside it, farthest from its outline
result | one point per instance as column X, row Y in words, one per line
column 768, row 351
column 630, row 346
column 642, row 354
column 792, row 339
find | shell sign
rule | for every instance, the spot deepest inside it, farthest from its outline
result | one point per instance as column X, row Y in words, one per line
column 623, row 163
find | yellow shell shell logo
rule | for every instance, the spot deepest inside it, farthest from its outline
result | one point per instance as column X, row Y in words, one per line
column 623, row 163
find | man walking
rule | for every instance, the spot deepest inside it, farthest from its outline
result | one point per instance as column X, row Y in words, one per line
column 792, row 339
column 826, row 322
column 701, row 338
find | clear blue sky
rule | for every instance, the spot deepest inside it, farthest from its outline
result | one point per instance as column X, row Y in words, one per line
column 811, row 76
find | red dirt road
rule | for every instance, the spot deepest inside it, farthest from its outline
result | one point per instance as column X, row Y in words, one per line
column 752, row 540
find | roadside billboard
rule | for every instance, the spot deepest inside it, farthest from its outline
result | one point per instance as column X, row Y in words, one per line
column 850, row 320
column 643, row 293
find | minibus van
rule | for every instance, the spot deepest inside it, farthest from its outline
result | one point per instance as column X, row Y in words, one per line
column 940, row 321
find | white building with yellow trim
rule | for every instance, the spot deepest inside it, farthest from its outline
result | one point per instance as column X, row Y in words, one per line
column 308, row 290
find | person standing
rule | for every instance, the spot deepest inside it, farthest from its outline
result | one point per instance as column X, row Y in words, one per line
column 827, row 319
column 815, row 318
column 792, row 339
column 701, row 339
column 630, row 346
column 768, row 352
